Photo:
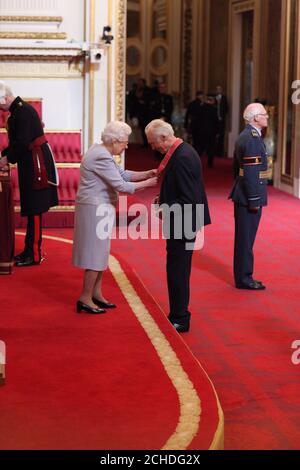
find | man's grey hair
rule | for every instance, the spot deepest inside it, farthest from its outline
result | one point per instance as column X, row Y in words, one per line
column 4, row 92
column 159, row 128
column 252, row 110
column 115, row 131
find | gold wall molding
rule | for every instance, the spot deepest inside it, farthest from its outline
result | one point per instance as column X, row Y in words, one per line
column 242, row 6
column 109, row 68
column 282, row 177
column 38, row 57
column 53, row 209
column 43, row 69
column 91, row 75
column 235, row 70
column 120, row 49
column 39, row 48
column 187, row 54
column 137, row 45
column 67, row 165
column 57, row 131
column 162, row 69
column 23, row 19
column 30, row 35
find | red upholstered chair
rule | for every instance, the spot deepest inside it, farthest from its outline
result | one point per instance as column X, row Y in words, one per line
column 66, row 145
column 3, row 118
column 36, row 103
column 3, row 139
column 68, row 185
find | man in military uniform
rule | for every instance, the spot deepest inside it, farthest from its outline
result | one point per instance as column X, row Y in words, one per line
column 249, row 193
column 29, row 148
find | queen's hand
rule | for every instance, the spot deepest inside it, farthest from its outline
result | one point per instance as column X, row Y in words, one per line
column 152, row 173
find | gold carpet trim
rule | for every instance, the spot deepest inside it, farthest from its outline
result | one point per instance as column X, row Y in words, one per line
column 189, row 401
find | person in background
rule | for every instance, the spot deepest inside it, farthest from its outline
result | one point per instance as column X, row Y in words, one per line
column 142, row 112
column 161, row 104
column 208, row 130
column 222, row 109
column 249, row 193
column 38, row 179
column 101, row 180
column 193, row 119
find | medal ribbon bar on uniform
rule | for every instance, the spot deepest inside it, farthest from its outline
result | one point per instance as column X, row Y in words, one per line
column 251, row 160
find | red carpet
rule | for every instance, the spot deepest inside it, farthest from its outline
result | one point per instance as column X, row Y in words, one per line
column 113, row 381
column 243, row 339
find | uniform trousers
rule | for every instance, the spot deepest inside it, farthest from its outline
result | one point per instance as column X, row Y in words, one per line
column 33, row 239
column 179, row 262
column 246, row 225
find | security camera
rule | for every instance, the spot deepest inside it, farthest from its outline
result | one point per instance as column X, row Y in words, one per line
column 105, row 36
column 95, row 56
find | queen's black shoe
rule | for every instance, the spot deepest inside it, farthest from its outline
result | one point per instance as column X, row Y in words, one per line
column 102, row 304
column 82, row 307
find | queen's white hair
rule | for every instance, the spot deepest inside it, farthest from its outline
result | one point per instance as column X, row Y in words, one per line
column 115, row 131
column 159, row 128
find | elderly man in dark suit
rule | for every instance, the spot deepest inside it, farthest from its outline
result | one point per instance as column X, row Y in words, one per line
column 249, row 193
column 28, row 148
column 180, row 174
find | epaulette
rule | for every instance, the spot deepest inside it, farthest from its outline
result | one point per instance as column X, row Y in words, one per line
column 254, row 133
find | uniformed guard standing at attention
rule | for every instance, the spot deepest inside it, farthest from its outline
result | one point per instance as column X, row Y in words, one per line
column 249, row 193
column 38, row 180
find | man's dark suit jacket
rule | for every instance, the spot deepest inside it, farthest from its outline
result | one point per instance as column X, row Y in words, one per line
column 183, row 184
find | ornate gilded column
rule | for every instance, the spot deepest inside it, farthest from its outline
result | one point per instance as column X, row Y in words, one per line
column 117, row 60
column 287, row 167
column 187, row 50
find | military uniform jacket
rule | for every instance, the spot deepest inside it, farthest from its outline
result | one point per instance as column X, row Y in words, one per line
column 250, row 165
column 24, row 126
column 183, row 184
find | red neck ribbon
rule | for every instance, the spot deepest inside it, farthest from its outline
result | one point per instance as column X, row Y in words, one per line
column 162, row 167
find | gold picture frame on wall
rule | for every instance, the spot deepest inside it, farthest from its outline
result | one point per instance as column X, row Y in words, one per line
column 287, row 111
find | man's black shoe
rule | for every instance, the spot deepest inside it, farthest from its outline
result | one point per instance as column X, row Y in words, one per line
column 181, row 328
column 255, row 285
column 26, row 261
column 21, row 256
